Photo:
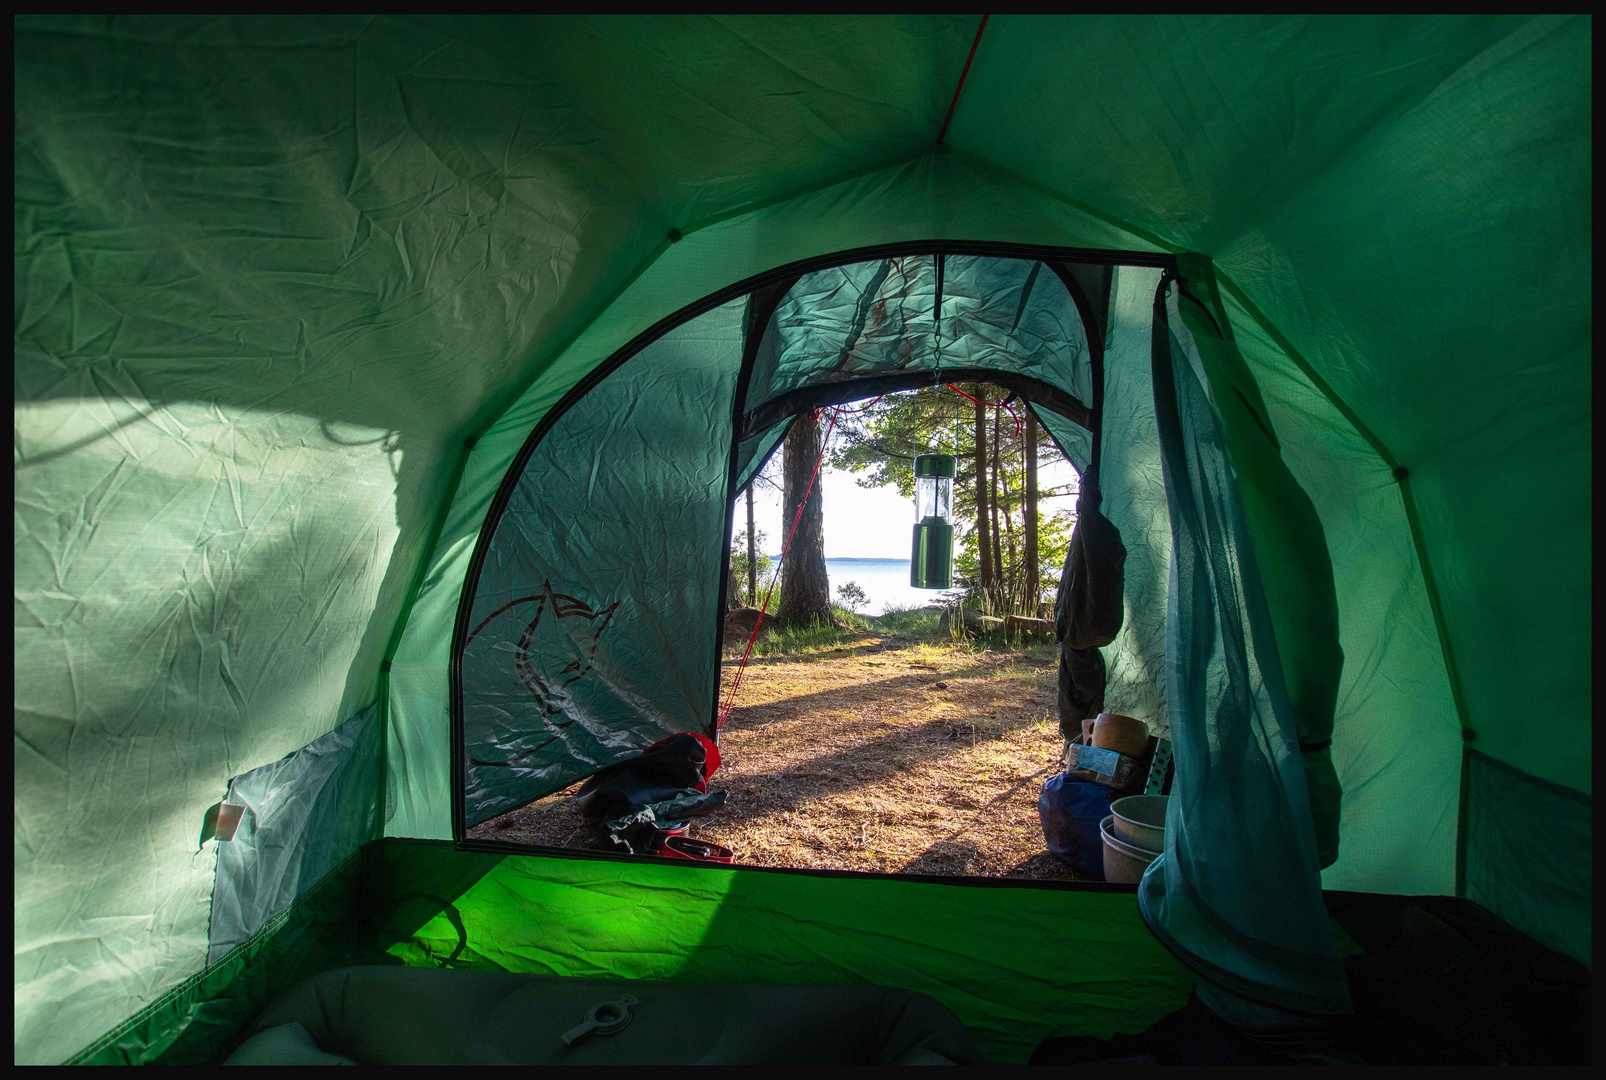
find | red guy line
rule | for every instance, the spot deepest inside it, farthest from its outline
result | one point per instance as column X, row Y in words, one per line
column 954, row 104
column 730, row 698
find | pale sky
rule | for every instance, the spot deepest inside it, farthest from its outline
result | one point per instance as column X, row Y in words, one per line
column 866, row 523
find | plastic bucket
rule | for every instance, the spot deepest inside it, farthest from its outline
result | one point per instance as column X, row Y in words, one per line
column 1123, row 861
column 1140, row 821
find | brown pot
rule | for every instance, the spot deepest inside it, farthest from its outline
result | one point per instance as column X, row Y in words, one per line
column 1124, row 734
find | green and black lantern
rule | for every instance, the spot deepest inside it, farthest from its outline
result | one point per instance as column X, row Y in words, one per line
column 931, row 563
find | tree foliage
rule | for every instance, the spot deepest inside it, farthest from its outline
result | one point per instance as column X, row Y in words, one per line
column 762, row 562
column 852, row 596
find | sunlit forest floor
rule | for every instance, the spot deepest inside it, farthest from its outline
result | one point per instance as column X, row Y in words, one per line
column 891, row 754
column 885, row 747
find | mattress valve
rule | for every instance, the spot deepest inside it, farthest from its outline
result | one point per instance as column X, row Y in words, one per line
column 606, row 1018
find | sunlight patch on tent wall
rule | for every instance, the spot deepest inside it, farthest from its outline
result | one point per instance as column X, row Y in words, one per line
column 196, row 585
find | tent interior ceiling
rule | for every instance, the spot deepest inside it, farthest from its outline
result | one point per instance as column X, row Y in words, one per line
column 291, row 293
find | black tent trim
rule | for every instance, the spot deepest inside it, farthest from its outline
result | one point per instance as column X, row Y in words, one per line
column 836, row 393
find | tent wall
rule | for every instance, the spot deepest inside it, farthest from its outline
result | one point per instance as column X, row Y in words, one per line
column 1132, row 491
column 269, row 274
column 594, row 622
column 199, row 1020
column 1408, row 202
column 1401, row 779
column 1542, row 885
column 272, row 273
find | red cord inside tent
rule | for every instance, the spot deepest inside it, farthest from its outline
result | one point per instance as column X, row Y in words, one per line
column 991, row 405
column 730, row 698
column 866, row 408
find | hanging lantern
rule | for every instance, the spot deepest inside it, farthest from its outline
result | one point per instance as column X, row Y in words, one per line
column 931, row 563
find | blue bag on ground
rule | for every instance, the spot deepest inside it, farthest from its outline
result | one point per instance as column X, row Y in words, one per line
column 1071, row 811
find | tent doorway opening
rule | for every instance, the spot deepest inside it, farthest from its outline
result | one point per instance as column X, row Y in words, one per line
column 594, row 621
column 902, row 730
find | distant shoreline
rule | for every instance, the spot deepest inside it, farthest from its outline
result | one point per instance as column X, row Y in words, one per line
column 860, row 559
column 883, row 581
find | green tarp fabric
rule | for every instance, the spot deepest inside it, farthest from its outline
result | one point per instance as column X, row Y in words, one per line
column 303, row 816
column 1529, row 854
column 1236, row 892
column 582, row 644
column 997, row 955
column 199, row 1020
column 1132, row 491
column 273, row 274
column 875, row 318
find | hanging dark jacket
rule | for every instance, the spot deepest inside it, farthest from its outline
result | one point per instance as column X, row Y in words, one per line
column 1089, row 610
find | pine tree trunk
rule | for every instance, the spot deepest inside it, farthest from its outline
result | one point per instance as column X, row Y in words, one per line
column 1034, row 586
column 805, row 588
column 992, row 497
column 1011, row 559
column 752, row 549
column 984, row 547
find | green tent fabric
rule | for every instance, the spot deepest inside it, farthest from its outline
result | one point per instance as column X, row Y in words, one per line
column 292, row 294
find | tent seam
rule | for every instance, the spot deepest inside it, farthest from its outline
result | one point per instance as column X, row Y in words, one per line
column 1305, row 367
column 885, row 164
column 382, row 814
column 1452, row 670
column 942, row 134
column 1060, row 196
column 1453, row 673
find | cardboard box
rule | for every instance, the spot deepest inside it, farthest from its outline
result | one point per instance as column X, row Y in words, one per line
column 1125, row 774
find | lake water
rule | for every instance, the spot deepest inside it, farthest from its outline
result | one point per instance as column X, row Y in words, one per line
column 884, row 581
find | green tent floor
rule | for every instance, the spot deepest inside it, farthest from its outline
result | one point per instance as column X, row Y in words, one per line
column 1016, row 961
column 1019, row 962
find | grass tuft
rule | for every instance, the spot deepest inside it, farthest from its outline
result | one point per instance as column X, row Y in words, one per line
column 801, row 639
column 920, row 623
